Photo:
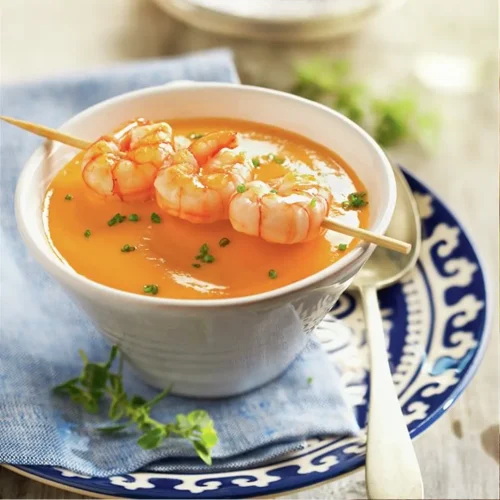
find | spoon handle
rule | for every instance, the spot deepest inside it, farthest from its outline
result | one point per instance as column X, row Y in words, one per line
column 392, row 470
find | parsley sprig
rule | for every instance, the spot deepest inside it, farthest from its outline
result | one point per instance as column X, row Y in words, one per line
column 97, row 381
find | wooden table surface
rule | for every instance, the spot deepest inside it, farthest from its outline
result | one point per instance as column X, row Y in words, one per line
column 459, row 454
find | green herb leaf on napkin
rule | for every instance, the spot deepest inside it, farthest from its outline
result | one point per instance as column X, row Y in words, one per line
column 97, row 381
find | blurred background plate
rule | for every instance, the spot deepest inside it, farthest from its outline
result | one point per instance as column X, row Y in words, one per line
column 278, row 20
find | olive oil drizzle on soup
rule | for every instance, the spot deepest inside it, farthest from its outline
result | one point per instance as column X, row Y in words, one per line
column 147, row 251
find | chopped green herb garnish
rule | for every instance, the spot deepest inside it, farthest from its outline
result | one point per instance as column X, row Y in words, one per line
column 275, row 159
column 152, row 289
column 272, row 274
column 342, row 247
column 87, row 233
column 274, row 191
column 133, row 218
column 97, row 381
column 127, row 248
column 313, row 202
column 241, row 188
column 310, row 380
column 354, row 201
column 196, row 265
column 195, row 135
column 255, row 161
column 68, row 197
column 116, row 219
column 155, row 218
column 224, row 242
column 204, row 254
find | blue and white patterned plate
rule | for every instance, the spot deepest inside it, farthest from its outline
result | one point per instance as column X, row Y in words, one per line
column 436, row 323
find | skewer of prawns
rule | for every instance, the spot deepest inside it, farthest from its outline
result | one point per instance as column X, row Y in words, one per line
column 155, row 142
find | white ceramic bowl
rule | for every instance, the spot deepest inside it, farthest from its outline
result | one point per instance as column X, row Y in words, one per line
column 210, row 348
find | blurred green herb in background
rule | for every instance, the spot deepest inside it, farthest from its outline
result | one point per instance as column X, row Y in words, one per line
column 391, row 121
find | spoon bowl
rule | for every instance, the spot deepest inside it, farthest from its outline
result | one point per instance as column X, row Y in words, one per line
column 384, row 268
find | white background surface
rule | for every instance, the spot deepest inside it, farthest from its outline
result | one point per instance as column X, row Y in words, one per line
column 459, row 454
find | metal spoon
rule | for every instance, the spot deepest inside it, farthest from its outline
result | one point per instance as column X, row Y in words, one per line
column 392, row 470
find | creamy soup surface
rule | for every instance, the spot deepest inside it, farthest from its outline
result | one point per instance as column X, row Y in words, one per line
column 165, row 251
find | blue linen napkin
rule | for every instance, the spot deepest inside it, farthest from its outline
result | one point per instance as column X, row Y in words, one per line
column 41, row 329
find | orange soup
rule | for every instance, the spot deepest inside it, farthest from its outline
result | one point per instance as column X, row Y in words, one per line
column 148, row 251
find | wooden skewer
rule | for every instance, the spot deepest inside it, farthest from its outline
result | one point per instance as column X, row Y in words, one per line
column 363, row 234
column 328, row 223
column 48, row 133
